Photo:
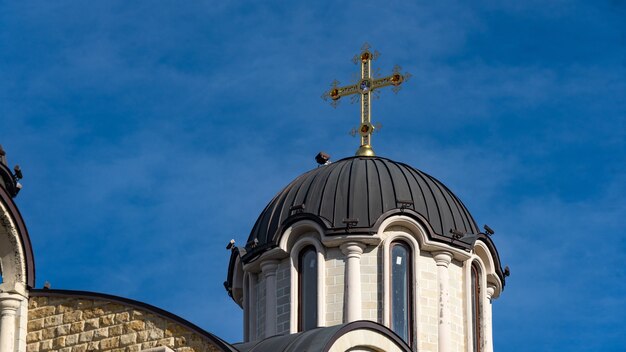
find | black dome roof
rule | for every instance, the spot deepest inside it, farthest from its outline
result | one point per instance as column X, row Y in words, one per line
column 365, row 188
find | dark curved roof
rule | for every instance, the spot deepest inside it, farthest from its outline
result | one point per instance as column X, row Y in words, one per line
column 318, row 339
column 363, row 188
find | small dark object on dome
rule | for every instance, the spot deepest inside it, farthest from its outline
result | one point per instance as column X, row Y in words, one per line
column 350, row 222
column 507, row 271
column 230, row 244
column 322, row 158
column 18, row 172
column 405, row 203
column 456, row 234
column 489, row 230
column 299, row 208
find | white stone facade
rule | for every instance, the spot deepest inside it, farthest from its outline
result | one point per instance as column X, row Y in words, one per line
column 348, row 264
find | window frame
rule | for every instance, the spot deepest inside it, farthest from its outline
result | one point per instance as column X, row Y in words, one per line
column 410, row 279
column 303, row 251
column 303, row 240
column 476, row 305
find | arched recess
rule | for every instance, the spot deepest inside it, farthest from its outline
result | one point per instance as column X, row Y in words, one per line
column 484, row 305
column 482, row 251
column 396, row 232
column 16, row 254
column 299, row 243
column 491, row 285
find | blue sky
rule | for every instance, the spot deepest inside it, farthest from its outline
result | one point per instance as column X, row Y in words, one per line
column 152, row 132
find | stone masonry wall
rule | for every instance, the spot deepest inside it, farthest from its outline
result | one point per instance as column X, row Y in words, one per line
column 457, row 305
column 428, row 303
column 260, row 308
column 371, row 284
column 70, row 324
column 335, row 268
column 283, row 295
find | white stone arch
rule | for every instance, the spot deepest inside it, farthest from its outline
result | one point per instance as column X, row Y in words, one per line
column 12, row 256
column 17, row 275
column 295, row 231
column 415, row 229
column 364, row 340
column 298, row 243
column 482, row 251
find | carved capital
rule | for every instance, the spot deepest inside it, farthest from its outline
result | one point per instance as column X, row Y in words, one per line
column 268, row 268
column 491, row 289
column 352, row 249
column 9, row 304
column 442, row 258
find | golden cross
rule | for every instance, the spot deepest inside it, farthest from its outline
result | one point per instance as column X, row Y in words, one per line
column 364, row 89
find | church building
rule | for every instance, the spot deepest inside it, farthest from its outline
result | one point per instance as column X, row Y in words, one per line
column 359, row 254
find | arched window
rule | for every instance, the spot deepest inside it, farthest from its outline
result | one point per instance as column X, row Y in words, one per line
column 401, row 291
column 307, row 289
column 476, row 308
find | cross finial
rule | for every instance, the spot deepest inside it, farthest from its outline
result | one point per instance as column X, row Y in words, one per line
column 364, row 89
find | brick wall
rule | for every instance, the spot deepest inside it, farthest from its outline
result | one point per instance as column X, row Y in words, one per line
column 70, row 324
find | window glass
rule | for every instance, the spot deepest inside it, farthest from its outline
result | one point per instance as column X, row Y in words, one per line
column 307, row 289
column 401, row 290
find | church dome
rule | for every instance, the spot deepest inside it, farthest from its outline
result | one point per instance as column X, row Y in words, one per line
column 359, row 193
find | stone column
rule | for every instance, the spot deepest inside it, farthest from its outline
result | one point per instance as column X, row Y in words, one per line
column 352, row 279
column 443, row 259
column 9, row 304
column 487, row 319
column 268, row 268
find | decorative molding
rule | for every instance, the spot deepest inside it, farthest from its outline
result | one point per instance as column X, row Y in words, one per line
column 442, row 258
column 352, row 249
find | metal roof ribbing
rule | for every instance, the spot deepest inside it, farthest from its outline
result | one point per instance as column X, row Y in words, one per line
column 362, row 188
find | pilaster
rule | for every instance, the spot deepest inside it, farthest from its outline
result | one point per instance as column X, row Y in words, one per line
column 443, row 260
column 353, row 252
column 9, row 305
column 268, row 268
column 491, row 289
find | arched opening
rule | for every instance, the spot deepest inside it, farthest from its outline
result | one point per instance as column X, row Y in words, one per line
column 401, row 308
column 475, row 290
column 307, row 288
